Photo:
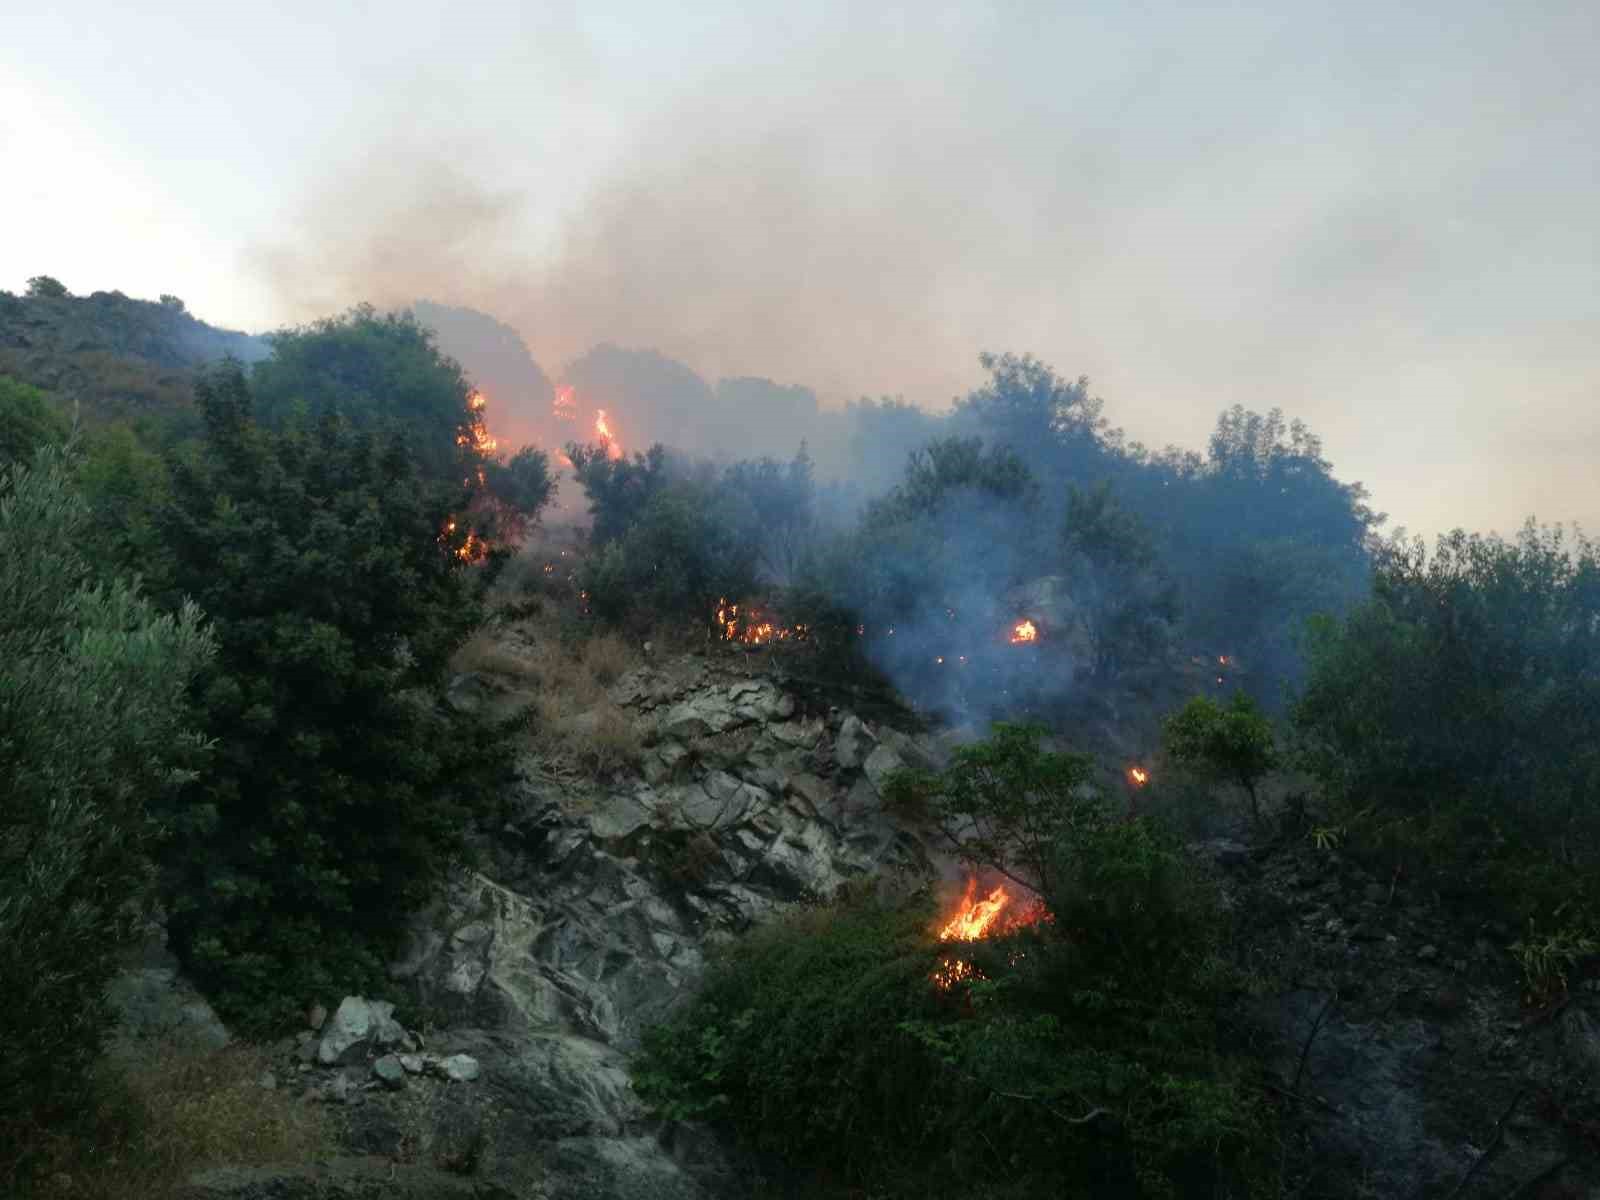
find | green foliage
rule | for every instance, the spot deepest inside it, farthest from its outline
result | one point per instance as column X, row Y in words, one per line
column 1078, row 1058
column 1546, row 957
column 1006, row 802
column 28, row 420
column 46, row 287
column 125, row 482
column 1233, row 744
column 168, row 300
column 618, row 489
column 949, row 467
column 677, row 559
column 1457, row 709
column 1127, row 603
column 675, row 537
column 93, row 730
column 343, row 788
column 381, row 373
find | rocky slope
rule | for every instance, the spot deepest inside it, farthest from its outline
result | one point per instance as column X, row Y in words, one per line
column 1391, row 1035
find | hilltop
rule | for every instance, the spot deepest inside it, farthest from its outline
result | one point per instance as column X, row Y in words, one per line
column 117, row 357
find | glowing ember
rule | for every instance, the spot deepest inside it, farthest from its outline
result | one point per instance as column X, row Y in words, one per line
column 1138, row 776
column 752, row 627
column 1024, row 631
column 566, row 405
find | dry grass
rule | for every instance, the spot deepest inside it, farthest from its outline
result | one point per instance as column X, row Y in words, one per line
column 161, row 1112
column 558, row 657
column 607, row 657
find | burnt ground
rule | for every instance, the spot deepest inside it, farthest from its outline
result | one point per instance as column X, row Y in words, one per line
column 1396, row 1039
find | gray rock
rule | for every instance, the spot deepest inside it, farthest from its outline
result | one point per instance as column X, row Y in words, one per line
column 411, row 1064
column 389, row 1071
column 459, row 1068
column 316, row 1017
column 852, row 743
column 618, row 818
column 880, row 764
column 357, row 1023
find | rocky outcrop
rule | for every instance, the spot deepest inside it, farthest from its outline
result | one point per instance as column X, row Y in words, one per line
column 591, row 918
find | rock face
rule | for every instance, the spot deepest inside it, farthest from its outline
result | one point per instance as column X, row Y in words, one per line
column 590, row 920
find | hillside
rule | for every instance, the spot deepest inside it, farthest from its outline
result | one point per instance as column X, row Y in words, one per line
column 117, row 357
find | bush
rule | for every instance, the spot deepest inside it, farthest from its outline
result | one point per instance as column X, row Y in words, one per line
column 336, row 581
column 677, row 559
column 1233, row 744
column 28, row 420
column 93, row 729
column 1078, row 1057
column 1453, row 717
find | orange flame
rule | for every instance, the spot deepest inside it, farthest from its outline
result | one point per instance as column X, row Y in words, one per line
column 974, row 920
column 602, row 430
column 753, row 628
column 1024, row 631
column 1138, row 776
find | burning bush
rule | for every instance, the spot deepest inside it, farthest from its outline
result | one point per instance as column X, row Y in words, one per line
column 978, row 1046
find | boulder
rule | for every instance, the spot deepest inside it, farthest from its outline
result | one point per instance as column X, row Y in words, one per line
column 459, row 1068
column 355, row 1026
column 390, row 1072
column 879, row 765
column 852, row 743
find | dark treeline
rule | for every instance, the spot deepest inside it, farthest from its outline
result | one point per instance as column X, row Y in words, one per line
column 1022, row 502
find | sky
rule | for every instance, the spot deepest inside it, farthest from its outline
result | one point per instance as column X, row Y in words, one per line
column 1382, row 218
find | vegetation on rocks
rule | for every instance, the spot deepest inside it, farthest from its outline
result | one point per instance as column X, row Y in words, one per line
column 1079, row 1054
column 95, row 733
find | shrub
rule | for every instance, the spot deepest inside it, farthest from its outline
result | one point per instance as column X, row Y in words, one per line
column 1452, row 716
column 1079, row 1057
column 28, row 420
column 1233, row 744
column 93, row 729
column 675, row 561
column 338, row 591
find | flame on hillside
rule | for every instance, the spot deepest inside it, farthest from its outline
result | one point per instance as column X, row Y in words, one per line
column 750, row 626
column 974, row 920
column 602, row 431
column 1138, row 776
column 1024, row 631
column 475, row 436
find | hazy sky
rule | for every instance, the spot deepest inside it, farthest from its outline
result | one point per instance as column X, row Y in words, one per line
column 1381, row 217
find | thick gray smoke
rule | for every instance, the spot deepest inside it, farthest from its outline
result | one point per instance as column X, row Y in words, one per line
column 1327, row 210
